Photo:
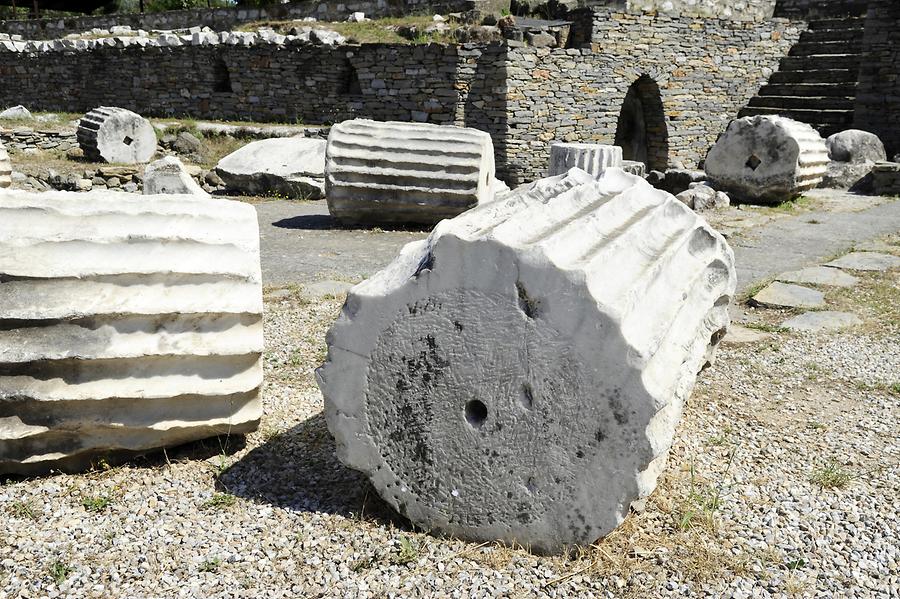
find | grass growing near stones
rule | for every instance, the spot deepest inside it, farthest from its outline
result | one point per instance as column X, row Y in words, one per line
column 49, row 121
column 376, row 31
column 23, row 509
column 219, row 501
column 96, row 503
column 831, row 476
column 59, row 571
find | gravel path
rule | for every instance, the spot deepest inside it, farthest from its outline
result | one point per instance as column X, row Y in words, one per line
column 784, row 481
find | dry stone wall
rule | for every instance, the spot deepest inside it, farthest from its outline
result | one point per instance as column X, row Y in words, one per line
column 701, row 70
column 227, row 18
column 749, row 10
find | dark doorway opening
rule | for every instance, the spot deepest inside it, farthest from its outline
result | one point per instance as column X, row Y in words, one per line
column 641, row 130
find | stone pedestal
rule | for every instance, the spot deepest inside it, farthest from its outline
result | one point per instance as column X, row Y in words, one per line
column 116, row 135
column 767, row 159
column 130, row 323
column 392, row 172
column 592, row 158
column 167, row 176
column 519, row 374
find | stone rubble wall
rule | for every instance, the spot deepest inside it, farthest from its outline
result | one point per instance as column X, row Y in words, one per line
column 877, row 107
column 222, row 19
column 743, row 10
column 21, row 139
column 525, row 97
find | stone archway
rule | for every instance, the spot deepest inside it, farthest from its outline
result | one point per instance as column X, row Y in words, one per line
column 641, row 130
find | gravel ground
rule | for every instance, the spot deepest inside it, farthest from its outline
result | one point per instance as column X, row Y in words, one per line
column 783, row 482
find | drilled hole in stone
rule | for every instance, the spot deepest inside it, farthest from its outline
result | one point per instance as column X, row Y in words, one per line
column 526, row 396
column 127, row 141
column 476, row 413
column 753, row 162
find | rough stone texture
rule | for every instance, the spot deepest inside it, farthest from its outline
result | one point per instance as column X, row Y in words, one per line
column 519, row 374
column 855, row 146
column 886, row 178
column 25, row 138
column 819, row 275
column 749, row 10
column 16, row 112
column 226, row 18
column 786, row 295
column 116, row 135
column 848, row 175
column 634, row 167
column 168, row 176
column 130, row 323
column 872, row 261
column 703, row 197
column 767, row 159
column 877, row 104
column 591, row 158
column 705, row 70
column 404, row 172
column 5, row 168
column 293, row 167
column 824, row 320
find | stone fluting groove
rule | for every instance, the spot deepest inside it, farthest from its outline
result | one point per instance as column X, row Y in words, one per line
column 126, row 324
column 519, row 374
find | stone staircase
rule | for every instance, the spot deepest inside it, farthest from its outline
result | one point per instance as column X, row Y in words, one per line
column 816, row 82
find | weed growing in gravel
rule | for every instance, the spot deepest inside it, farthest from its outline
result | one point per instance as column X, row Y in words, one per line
column 703, row 501
column 96, row 503
column 408, row 552
column 23, row 509
column 219, row 501
column 765, row 327
column 832, row 476
column 816, row 426
column 59, row 571
column 210, row 565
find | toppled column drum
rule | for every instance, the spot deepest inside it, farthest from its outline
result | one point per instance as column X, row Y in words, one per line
column 127, row 323
column 767, row 159
column 592, row 158
column 116, row 135
column 519, row 374
column 406, row 172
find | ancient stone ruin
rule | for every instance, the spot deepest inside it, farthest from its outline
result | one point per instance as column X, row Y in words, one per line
column 591, row 158
column 406, row 172
column 5, row 168
column 168, row 176
column 116, row 135
column 292, row 167
column 130, row 323
column 768, row 159
column 519, row 374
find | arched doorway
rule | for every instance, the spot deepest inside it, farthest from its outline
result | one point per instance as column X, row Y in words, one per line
column 641, row 130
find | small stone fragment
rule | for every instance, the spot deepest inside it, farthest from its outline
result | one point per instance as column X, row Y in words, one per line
column 872, row 261
column 855, row 146
column 5, row 168
column 787, row 295
column 168, row 176
column 16, row 112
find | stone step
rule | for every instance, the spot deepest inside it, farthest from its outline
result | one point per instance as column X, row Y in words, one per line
column 803, row 102
column 826, row 48
column 838, row 23
column 809, row 89
column 812, row 116
column 831, row 76
column 814, row 62
column 831, row 35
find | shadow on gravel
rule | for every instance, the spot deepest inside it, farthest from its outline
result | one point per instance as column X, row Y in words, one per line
column 298, row 470
column 309, row 222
